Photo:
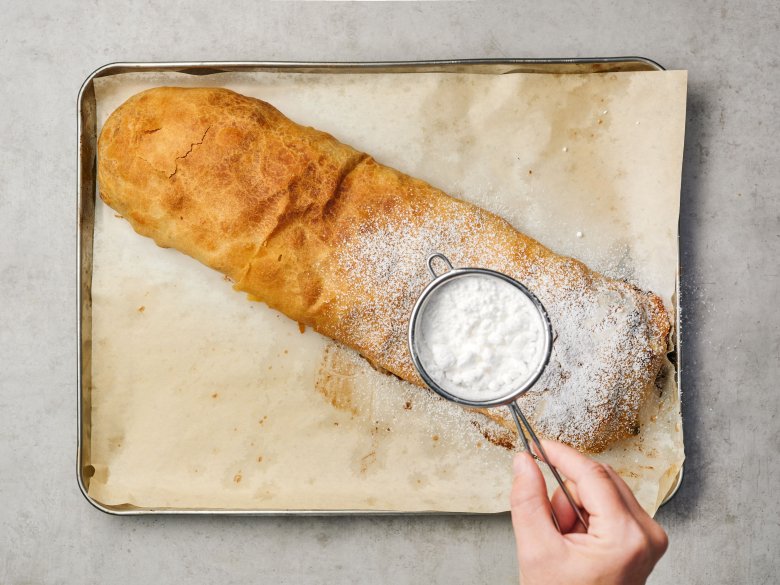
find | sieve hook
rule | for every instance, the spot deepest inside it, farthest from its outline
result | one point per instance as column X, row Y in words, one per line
column 441, row 257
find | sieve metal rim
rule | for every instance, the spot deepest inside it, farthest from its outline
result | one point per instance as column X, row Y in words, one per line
column 453, row 273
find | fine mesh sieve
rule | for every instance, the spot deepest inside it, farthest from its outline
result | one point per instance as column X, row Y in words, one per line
column 508, row 398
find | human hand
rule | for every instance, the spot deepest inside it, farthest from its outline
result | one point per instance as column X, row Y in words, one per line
column 622, row 543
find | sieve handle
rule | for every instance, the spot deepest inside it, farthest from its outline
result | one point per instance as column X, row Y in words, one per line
column 441, row 257
column 522, row 427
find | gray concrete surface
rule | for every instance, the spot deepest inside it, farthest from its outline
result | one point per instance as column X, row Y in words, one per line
column 724, row 523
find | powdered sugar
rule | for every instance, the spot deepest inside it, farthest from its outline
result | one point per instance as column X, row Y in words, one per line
column 480, row 337
column 605, row 345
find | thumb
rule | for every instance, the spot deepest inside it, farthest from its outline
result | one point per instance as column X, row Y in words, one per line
column 531, row 512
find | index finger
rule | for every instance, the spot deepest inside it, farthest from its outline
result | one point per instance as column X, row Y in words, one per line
column 597, row 491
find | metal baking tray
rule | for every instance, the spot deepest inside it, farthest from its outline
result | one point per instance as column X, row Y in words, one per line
column 87, row 189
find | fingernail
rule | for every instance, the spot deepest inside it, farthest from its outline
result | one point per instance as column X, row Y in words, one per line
column 518, row 463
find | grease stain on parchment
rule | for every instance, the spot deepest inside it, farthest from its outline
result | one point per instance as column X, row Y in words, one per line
column 338, row 383
column 350, row 384
column 336, row 378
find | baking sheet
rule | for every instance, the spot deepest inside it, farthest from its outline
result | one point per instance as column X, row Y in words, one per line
column 201, row 399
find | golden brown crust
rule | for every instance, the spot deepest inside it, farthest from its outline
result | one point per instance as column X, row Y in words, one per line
column 295, row 218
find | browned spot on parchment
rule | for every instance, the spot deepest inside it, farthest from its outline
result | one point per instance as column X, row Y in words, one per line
column 367, row 460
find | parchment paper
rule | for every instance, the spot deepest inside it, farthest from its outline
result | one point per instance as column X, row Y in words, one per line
column 203, row 399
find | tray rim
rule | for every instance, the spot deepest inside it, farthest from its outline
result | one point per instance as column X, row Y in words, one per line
column 211, row 67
